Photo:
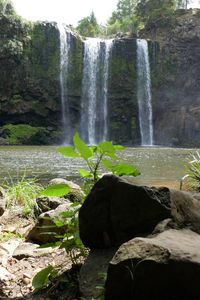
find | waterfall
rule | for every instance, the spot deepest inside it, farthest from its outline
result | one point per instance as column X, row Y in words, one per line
column 144, row 93
column 94, row 112
column 108, row 48
column 64, row 66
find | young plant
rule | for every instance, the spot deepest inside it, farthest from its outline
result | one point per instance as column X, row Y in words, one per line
column 23, row 193
column 193, row 170
column 104, row 154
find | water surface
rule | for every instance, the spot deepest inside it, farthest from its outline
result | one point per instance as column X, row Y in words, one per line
column 158, row 166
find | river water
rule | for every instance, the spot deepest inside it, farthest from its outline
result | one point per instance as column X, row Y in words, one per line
column 158, row 166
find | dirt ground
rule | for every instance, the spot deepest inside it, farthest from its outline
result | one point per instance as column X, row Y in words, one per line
column 18, row 269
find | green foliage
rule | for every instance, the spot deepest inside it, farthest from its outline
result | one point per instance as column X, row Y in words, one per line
column 153, row 12
column 104, row 153
column 57, row 190
column 183, row 3
column 124, row 18
column 23, row 134
column 42, row 278
column 193, row 170
column 6, row 7
column 132, row 15
column 23, row 193
column 70, row 241
column 6, row 236
column 88, row 26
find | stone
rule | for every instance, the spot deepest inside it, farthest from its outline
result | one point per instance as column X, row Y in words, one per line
column 46, row 203
column 116, row 211
column 45, row 230
column 25, row 250
column 185, row 209
column 165, row 266
column 2, row 201
column 76, row 193
column 5, row 275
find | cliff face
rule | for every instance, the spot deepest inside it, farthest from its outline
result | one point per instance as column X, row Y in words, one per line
column 29, row 77
column 175, row 56
column 30, row 83
column 123, row 108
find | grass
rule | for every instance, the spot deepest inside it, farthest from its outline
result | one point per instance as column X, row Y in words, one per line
column 6, row 236
column 23, row 193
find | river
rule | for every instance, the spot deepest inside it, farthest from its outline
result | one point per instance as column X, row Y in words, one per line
column 158, row 166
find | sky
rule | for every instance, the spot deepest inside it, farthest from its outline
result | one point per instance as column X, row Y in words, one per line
column 66, row 11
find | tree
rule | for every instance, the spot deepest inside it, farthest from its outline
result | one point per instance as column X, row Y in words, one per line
column 152, row 12
column 183, row 3
column 6, row 7
column 126, row 8
column 88, row 26
column 124, row 18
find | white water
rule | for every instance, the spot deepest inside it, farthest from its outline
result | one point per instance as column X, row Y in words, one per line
column 64, row 65
column 94, row 112
column 108, row 49
column 144, row 93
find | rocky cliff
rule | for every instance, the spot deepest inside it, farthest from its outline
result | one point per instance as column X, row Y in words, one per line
column 122, row 102
column 175, row 55
column 30, row 86
column 29, row 78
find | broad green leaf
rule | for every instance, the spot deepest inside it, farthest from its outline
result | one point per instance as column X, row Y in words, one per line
column 85, row 151
column 68, row 151
column 108, row 149
column 67, row 214
column 124, row 169
column 41, row 279
column 108, row 164
column 93, row 148
column 119, row 147
column 57, row 190
column 85, row 173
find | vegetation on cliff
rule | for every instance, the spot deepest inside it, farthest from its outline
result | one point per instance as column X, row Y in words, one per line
column 132, row 15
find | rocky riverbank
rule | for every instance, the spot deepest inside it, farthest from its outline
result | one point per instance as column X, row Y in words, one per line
column 138, row 236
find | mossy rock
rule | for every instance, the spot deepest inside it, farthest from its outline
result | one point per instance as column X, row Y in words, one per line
column 23, row 134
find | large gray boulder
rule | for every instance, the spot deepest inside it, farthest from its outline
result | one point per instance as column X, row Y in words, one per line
column 116, row 211
column 162, row 267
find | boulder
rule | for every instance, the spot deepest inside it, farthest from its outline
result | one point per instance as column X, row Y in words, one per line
column 165, row 266
column 45, row 230
column 185, row 209
column 116, row 211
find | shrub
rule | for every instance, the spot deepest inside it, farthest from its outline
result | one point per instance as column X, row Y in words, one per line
column 193, row 170
column 23, row 134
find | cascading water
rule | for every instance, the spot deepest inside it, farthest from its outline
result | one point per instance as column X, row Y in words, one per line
column 144, row 93
column 108, row 48
column 64, row 66
column 94, row 112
